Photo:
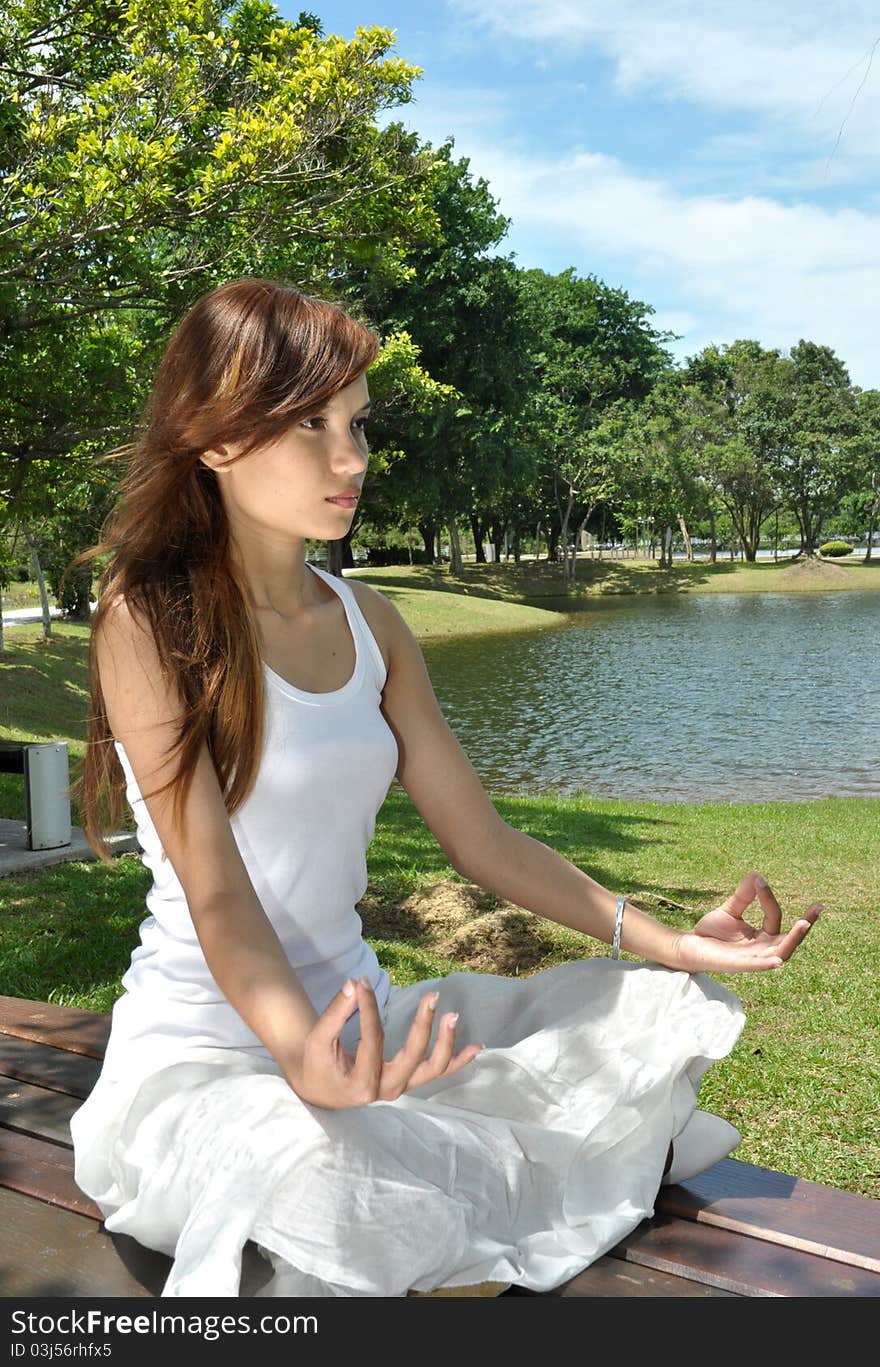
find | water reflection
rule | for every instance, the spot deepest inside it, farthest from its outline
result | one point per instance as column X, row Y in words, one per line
column 691, row 697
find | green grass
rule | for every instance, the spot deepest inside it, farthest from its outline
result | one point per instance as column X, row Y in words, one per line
column 43, row 696
column 802, row 1083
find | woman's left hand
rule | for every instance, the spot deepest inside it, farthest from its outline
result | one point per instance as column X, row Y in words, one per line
column 722, row 942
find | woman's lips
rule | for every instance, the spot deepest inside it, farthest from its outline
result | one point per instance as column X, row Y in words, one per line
column 343, row 502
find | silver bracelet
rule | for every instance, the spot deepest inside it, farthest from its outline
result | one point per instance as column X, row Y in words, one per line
column 618, row 923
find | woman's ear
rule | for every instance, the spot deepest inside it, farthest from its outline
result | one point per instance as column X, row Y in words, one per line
column 214, row 459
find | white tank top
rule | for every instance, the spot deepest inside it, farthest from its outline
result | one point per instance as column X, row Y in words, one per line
column 303, row 834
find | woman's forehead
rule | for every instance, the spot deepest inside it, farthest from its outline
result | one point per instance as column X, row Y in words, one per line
column 356, row 392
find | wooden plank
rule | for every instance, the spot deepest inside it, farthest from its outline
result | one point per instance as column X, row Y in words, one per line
column 738, row 1263
column 65, row 1027
column 47, row 1251
column 615, row 1277
column 45, row 1066
column 42, row 1170
column 839, row 1225
column 36, row 1111
column 58, row 1252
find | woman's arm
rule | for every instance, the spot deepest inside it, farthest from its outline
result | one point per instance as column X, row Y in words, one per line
column 241, row 948
column 442, row 783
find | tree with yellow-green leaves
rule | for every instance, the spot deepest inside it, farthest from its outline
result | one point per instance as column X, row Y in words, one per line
column 151, row 149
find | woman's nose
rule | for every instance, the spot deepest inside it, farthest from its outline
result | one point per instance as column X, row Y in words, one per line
column 350, row 455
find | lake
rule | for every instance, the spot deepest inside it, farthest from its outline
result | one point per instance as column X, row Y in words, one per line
column 691, row 697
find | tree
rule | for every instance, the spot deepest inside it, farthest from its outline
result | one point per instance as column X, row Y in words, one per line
column 821, row 462
column 461, row 308
column 409, row 407
column 740, row 409
column 592, row 346
column 129, row 133
column 866, row 452
column 152, row 149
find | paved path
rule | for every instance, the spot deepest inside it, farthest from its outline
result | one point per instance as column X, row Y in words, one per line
column 14, row 617
column 15, row 857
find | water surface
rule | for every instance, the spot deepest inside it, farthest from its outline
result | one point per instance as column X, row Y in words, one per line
column 693, row 697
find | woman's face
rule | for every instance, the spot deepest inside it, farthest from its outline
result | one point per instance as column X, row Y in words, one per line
column 285, row 487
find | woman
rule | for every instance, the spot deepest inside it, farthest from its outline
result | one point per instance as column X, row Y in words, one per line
column 263, row 1080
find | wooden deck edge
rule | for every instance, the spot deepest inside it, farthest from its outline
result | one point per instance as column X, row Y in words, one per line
column 784, row 1240
column 791, row 1212
column 70, row 1028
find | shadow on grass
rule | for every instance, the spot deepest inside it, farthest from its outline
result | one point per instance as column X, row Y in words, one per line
column 48, row 681
column 67, row 932
column 405, row 853
column 541, row 584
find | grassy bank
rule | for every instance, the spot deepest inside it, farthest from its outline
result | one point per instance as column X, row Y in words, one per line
column 419, row 590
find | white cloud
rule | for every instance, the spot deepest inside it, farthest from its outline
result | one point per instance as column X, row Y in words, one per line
column 743, row 266
column 767, row 57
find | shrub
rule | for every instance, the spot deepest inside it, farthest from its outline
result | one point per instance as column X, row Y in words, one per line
column 836, row 548
column 395, row 555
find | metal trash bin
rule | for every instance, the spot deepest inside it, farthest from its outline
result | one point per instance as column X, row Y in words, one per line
column 46, row 786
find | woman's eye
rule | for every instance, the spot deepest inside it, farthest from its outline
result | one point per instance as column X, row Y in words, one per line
column 360, row 423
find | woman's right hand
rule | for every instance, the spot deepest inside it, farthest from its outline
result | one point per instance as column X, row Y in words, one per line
column 333, row 1077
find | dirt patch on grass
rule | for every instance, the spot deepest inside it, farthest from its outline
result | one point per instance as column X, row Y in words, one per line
column 811, row 572
column 462, row 922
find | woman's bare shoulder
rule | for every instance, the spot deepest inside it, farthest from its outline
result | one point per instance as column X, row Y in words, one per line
column 381, row 614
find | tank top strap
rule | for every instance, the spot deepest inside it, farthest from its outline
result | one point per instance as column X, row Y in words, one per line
column 358, row 622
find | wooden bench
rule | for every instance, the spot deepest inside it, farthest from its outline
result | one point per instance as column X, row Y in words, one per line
column 735, row 1230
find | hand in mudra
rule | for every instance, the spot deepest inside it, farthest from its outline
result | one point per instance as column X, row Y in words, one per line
column 334, row 1077
column 723, row 942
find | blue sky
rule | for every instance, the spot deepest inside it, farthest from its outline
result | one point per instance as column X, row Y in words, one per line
column 720, row 161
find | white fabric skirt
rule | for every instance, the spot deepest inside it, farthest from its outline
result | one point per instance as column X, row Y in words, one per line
column 524, row 1167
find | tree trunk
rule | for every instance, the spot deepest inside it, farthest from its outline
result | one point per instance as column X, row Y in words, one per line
column 334, row 557
column 666, row 548
column 872, row 519
column 713, row 538
column 515, row 546
column 577, row 536
column 478, row 530
column 38, row 574
column 427, row 531
column 498, row 540
column 455, row 561
column 346, row 554
column 563, row 536
column 689, row 550
column 805, row 525
column 537, row 542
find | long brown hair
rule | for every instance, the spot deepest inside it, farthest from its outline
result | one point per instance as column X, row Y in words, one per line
column 247, row 360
